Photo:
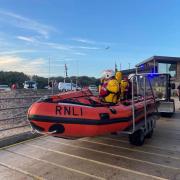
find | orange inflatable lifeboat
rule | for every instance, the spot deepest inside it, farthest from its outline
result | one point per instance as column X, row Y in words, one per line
column 80, row 114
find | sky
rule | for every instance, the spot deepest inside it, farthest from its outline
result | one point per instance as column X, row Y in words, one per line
column 40, row 36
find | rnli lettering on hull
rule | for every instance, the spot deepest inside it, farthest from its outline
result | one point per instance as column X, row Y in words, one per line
column 69, row 110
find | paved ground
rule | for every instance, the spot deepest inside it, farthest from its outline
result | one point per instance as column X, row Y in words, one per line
column 105, row 157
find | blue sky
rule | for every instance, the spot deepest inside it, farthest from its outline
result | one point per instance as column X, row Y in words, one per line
column 88, row 35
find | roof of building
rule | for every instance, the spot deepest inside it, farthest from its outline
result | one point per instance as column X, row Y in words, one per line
column 160, row 59
column 128, row 71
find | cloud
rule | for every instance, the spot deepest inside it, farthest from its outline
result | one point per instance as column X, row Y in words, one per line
column 91, row 42
column 88, row 47
column 80, row 53
column 52, row 45
column 67, row 47
column 25, row 38
column 63, row 60
column 8, row 60
column 58, row 46
column 81, row 40
column 28, row 66
column 17, row 51
column 26, row 23
column 38, row 61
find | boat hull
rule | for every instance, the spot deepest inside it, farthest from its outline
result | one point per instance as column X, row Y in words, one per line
column 72, row 120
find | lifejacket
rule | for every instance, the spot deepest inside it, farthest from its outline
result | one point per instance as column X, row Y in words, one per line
column 103, row 89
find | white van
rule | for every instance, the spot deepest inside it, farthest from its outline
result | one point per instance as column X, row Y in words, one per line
column 67, row 87
column 4, row 87
column 30, row 85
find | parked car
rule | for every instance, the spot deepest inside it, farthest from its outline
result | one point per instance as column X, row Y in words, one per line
column 68, row 87
column 93, row 88
column 4, row 87
column 30, row 85
column 47, row 87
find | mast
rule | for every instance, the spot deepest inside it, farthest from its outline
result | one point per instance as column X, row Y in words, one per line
column 65, row 72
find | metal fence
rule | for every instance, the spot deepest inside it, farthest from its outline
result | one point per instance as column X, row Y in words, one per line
column 13, row 109
column 13, row 112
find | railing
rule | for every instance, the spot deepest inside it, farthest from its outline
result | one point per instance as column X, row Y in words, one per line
column 14, row 116
column 135, row 80
column 13, row 110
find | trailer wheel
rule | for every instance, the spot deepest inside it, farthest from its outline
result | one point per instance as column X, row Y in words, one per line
column 137, row 138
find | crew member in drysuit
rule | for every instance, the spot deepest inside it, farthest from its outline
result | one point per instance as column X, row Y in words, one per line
column 109, row 89
column 118, row 77
column 101, row 83
column 124, row 88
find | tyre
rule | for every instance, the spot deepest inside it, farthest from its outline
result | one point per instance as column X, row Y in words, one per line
column 137, row 138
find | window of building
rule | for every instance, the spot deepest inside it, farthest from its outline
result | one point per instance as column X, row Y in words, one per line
column 170, row 68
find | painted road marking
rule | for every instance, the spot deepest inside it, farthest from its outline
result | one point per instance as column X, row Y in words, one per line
column 116, row 155
column 136, row 150
column 57, row 165
column 22, row 171
column 98, row 162
column 146, row 145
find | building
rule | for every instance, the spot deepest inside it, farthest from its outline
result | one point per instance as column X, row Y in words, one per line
column 126, row 72
column 161, row 64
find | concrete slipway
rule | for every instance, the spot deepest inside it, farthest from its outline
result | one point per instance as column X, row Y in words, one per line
column 105, row 157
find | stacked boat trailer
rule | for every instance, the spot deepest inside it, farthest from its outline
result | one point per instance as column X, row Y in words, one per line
column 144, row 129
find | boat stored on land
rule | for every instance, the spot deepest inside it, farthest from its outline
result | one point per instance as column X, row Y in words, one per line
column 81, row 114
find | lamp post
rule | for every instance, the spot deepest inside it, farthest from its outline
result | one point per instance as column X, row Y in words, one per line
column 120, row 67
column 129, row 66
column 49, row 72
column 49, row 81
column 77, row 66
column 65, row 72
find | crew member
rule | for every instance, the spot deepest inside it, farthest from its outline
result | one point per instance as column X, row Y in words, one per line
column 13, row 87
column 101, row 83
column 109, row 89
column 124, row 88
column 118, row 77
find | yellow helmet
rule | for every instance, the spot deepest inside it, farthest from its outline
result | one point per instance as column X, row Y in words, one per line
column 118, row 76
